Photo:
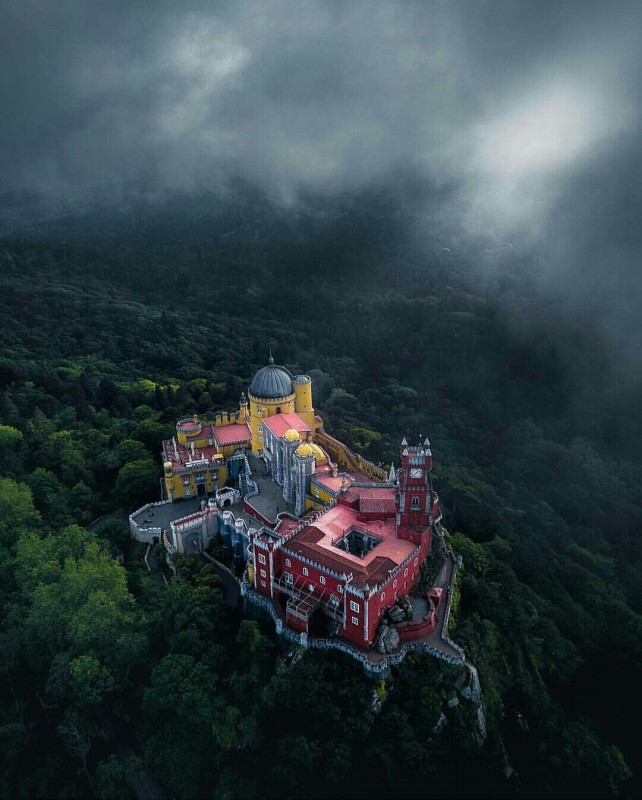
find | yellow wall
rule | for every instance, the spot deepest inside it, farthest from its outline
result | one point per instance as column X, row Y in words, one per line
column 303, row 402
column 321, row 494
column 176, row 490
column 282, row 405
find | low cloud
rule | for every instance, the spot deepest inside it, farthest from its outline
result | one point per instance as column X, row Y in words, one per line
column 528, row 112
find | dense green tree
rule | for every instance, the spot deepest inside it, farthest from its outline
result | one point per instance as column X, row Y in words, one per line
column 537, row 467
column 137, row 482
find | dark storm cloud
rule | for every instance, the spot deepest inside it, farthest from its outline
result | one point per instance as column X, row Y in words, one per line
column 321, row 93
column 528, row 111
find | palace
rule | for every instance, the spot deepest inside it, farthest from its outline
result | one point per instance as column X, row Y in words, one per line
column 330, row 543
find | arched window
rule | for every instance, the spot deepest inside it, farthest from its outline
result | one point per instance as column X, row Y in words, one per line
column 414, row 504
column 278, row 409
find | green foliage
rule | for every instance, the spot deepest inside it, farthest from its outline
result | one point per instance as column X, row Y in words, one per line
column 537, row 467
column 137, row 482
column 10, row 438
column 89, row 680
column 475, row 556
column 17, row 511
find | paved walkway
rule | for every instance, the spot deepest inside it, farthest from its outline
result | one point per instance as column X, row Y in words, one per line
column 161, row 516
column 269, row 501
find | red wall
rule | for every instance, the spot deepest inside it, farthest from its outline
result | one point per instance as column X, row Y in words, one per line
column 411, row 630
column 258, row 516
column 376, row 605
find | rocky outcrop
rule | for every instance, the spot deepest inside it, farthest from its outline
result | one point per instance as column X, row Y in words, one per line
column 467, row 684
column 386, row 639
column 406, row 606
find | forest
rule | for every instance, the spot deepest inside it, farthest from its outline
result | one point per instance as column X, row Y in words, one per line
column 114, row 327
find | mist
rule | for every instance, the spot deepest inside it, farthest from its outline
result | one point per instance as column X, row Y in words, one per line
column 522, row 118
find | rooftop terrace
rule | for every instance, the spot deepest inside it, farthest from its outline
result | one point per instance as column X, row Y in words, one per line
column 320, row 542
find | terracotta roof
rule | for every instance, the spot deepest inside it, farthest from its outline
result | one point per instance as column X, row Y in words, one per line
column 329, row 482
column 186, row 425
column 316, row 542
column 280, row 423
column 286, row 525
column 232, row 434
column 380, row 501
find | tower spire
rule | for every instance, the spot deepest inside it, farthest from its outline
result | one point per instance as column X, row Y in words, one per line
column 271, row 359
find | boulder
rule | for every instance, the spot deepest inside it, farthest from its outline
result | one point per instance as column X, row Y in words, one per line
column 396, row 614
column 467, row 684
column 391, row 640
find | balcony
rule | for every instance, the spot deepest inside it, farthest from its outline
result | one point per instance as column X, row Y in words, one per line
column 303, row 600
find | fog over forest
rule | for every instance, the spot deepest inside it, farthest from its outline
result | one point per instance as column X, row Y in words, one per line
column 520, row 120
column 432, row 208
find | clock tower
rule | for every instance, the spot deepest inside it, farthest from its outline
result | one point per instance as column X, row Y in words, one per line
column 416, row 502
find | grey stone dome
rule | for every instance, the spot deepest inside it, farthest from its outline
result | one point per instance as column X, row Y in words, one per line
column 271, row 382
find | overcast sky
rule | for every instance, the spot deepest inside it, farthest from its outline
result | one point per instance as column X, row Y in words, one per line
column 529, row 110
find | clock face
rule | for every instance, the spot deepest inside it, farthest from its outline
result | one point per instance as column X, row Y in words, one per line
column 415, row 473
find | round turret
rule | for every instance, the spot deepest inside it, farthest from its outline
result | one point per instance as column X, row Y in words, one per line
column 304, row 450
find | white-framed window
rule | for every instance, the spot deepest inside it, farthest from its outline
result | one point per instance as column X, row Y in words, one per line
column 414, row 504
column 305, row 570
column 383, row 595
column 263, row 584
column 288, row 563
column 322, row 579
column 261, row 558
column 354, row 606
column 288, row 577
column 405, row 572
column 416, row 561
column 394, row 584
column 405, row 584
column 260, row 429
column 355, row 620
column 340, row 589
column 263, row 573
